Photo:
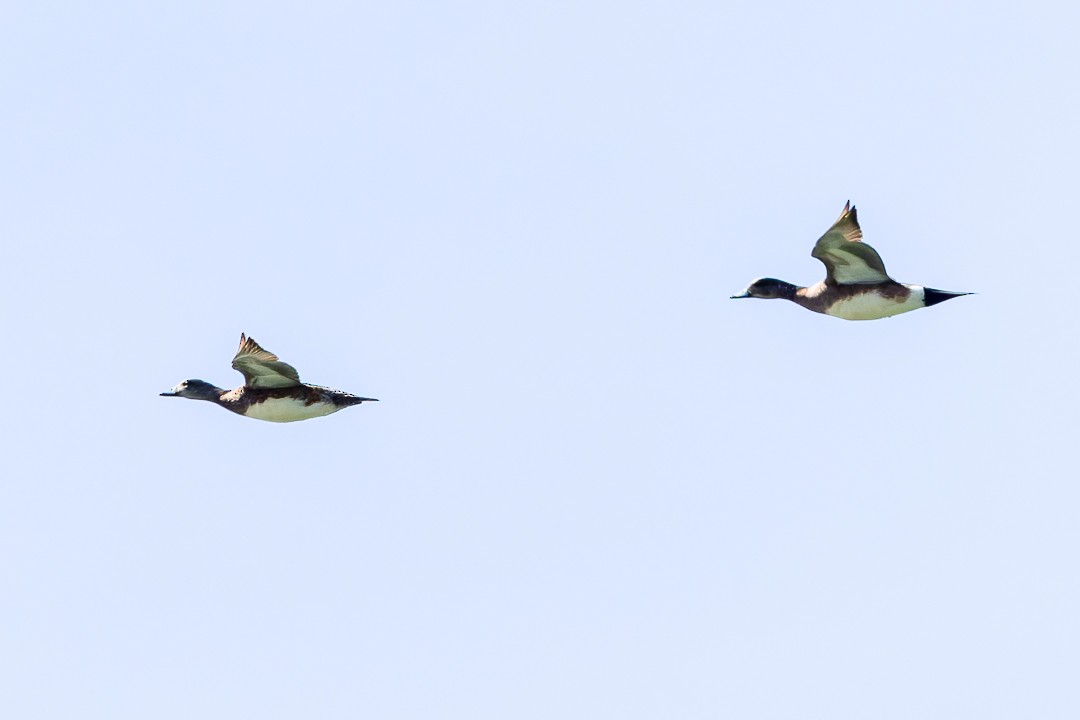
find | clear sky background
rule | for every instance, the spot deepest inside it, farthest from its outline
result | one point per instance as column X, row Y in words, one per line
column 595, row 487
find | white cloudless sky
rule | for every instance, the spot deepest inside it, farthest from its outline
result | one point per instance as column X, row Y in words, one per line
column 594, row 487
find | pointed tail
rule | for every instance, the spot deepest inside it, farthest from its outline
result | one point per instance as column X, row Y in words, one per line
column 933, row 297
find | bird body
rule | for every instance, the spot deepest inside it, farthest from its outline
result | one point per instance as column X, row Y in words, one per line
column 856, row 286
column 884, row 300
column 272, row 390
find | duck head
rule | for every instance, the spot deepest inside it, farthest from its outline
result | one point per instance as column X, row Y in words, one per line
column 767, row 289
column 195, row 390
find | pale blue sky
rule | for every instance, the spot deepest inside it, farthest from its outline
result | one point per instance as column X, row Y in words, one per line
column 594, row 487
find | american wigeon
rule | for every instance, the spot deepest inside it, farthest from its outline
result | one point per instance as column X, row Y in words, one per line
column 856, row 286
column 271, row 391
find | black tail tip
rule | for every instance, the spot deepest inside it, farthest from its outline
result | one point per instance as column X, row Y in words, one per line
column 933, row 297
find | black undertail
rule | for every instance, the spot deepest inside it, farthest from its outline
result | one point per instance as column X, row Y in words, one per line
column 933, row 297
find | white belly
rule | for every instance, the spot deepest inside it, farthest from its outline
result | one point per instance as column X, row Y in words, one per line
column 288, row 410
column 871, row 307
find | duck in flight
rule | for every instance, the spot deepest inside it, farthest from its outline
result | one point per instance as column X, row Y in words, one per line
column 856, row 286
column 271, row 391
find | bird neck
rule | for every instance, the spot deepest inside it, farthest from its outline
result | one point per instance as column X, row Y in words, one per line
column 787, row 291
column 206, row 392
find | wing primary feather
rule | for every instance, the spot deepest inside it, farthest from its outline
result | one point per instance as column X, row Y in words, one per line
column 261, row 368
column 847, row 259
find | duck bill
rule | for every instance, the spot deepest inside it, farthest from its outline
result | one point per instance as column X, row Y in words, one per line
column 169, row 394
column 743, row 294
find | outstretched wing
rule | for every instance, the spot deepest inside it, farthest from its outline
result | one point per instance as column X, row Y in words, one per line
column 262, row 369
column 848, row 260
